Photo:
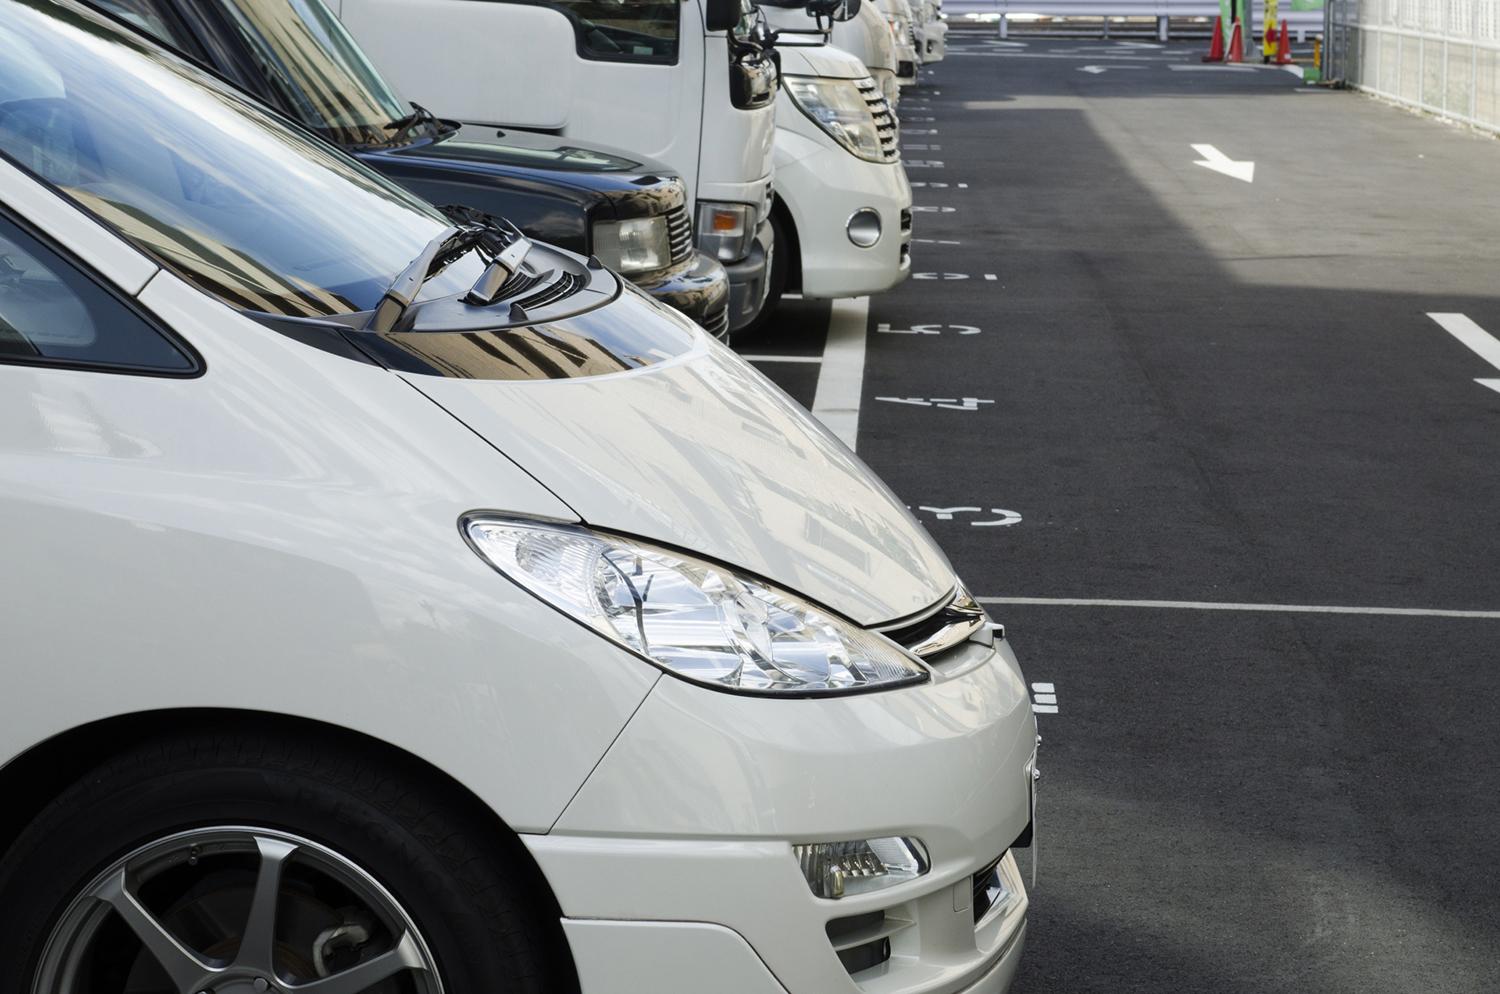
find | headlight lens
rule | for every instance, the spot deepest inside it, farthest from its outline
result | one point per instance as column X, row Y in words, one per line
column 839, row 108
column 726, row 231
column 635, row 246
column 837, row 869
column 694, row 619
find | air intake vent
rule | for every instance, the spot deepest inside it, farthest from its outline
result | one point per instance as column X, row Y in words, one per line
column 885, row 121
column 565, row 286
column 863, row 942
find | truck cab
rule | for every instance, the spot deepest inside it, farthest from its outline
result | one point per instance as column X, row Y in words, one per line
column 689, row 83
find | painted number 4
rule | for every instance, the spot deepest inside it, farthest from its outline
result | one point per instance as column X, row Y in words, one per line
column 927, row 329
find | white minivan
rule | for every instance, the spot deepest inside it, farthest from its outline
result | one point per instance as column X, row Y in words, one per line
column 844, row 218
column 394, row 605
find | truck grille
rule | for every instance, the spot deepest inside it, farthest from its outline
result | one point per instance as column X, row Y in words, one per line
column 885, row 121
column 680, row 234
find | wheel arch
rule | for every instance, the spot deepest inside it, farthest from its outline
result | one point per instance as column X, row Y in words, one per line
column 36, row 777
column 793, row 246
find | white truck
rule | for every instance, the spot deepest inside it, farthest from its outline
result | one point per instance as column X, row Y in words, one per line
column 862, row 31
column 689, row 82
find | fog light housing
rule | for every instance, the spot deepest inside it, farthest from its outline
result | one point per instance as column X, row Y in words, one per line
column 839, row 869
column 864, row 227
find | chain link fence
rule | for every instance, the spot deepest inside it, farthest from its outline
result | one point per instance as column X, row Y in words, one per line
column 1440, row 56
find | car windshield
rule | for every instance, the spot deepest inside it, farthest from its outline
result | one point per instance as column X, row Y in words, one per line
column 304, row 51
column 246, row 207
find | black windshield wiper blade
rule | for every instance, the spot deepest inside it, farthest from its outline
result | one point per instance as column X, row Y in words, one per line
column 407, row 125
column 405, row 287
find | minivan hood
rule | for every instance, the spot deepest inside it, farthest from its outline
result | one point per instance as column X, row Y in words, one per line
column 702, row 452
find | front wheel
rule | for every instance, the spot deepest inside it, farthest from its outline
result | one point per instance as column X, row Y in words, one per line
column 246, row 865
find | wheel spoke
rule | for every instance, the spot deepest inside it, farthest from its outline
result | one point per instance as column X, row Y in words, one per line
column 181, row 964
column 257, row 947
column 358, row 979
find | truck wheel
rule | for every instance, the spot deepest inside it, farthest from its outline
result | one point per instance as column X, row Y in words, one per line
column 775, row 282
column 249, row 864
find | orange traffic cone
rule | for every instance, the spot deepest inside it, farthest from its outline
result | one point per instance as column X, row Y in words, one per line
column 1284, row 47
column 1216, row 47
column 1236, row 44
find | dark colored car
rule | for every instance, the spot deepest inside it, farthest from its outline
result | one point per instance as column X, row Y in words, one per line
column 295, row 55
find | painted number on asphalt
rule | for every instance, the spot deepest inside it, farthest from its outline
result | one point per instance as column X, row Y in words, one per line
column 994, row 517
column 949, row 403
column 927, row 329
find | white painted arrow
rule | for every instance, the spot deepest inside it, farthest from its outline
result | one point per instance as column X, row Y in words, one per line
column 1221, row 163
column 1485, row 345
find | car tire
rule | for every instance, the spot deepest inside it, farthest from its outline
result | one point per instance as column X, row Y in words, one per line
column 776, row 281
column 352, row 809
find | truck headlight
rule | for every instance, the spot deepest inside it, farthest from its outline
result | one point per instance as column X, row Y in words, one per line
column 726, row 231
column 638, row 245
column 696, row 620
column 839, row 108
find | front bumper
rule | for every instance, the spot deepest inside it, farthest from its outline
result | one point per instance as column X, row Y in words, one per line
column 750, row 279
column 698, row 288
column 823, row 186
column 936, row 39
column 673, row 864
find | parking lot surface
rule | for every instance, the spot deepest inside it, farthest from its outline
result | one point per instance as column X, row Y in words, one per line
column 1229, row 484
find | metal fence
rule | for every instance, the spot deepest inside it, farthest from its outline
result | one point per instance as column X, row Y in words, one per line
column 1043, row 16
column 1441, row 56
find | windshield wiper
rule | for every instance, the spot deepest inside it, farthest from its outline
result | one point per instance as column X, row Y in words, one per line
column 450, row 243
column 408, row 125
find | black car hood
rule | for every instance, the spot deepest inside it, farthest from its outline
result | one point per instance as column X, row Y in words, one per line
column 540, row 156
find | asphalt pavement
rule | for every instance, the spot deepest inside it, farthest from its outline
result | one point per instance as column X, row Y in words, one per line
column 1234, row 493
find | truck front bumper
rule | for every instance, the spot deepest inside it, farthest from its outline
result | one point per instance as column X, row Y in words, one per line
column 750, row 279
column 674, row 866
column 698, row 288
column 824, row 188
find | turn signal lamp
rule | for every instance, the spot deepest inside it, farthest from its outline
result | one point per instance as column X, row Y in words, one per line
column 840, row 869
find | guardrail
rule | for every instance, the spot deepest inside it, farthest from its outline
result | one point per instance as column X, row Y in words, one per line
column 1042, row 15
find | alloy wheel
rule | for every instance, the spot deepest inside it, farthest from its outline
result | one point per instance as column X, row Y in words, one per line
column 235, row 910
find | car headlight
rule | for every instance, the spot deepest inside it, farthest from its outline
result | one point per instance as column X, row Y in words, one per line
column 839, row 108
column 696, row 620
column 726, row 231
column 638, row 245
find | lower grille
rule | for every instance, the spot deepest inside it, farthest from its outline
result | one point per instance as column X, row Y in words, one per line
column 989, row 888
column 863, row 942
column 906, row 222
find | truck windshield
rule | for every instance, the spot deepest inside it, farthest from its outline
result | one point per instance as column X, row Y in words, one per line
column 305, row 53
column 197, row 176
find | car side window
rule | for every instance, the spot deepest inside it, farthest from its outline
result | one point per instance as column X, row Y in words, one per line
column 149, row 17
column 52, row 313
column 624, row 30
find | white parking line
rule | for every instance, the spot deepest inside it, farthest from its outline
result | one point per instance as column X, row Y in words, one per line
column 1485, row 345
column 841, row 380
column 782, row 358
column 1423, row 612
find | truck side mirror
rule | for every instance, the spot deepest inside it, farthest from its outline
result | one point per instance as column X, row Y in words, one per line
column 851, row 10
column 721, row 15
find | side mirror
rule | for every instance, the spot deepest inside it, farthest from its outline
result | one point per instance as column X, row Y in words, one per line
column 721, row 15
column 834, row 10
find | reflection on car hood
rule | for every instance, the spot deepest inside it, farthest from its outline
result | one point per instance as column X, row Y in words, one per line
column 700, row 451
